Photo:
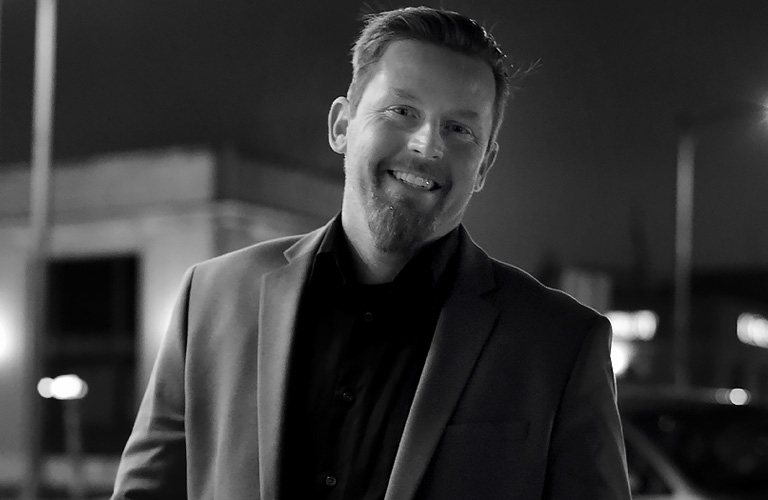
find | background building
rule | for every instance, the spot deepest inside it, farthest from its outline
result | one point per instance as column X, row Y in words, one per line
column 126, row 228
column 186, row 129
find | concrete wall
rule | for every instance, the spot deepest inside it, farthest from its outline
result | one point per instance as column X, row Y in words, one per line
column 167, row 208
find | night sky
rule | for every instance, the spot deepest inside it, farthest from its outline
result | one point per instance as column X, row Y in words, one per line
column 587, row 151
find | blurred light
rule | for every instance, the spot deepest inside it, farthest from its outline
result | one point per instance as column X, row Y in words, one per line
column 63, row 387
column 736, row 396
column 44, row 387
column 7, row 345
column 765, row 111
column 622, row 354
column 633, row 325
column 752, row 329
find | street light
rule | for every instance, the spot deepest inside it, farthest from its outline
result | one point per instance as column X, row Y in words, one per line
column 688, row 128
column 70, row 389
column 40, row 200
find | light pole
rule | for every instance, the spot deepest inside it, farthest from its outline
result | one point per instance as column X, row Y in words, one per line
column 70, row 389
column 40, row 193
column 688, row 128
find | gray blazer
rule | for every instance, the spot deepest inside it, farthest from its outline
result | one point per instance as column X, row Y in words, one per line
column 516, row 399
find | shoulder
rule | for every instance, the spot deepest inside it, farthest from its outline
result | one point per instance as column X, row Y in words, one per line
column 516, row 292
column 550, row 323
column 252, row 262
column 515, row 283
column 265, row 254
column 538, row 314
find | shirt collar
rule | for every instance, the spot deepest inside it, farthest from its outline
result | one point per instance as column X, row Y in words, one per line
column 431, row 266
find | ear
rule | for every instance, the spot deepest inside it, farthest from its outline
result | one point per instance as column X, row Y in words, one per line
column 338, row 121
column 485, row 167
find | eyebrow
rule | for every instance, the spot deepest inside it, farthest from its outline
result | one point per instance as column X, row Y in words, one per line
column 405, row 94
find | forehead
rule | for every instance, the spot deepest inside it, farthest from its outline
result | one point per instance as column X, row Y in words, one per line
column 434, row 74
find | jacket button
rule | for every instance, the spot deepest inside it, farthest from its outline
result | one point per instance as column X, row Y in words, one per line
column 330, row 481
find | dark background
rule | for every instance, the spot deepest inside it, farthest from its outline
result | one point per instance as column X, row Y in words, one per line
column 586, row 171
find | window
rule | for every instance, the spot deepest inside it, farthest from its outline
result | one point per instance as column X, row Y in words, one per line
column 91, row 332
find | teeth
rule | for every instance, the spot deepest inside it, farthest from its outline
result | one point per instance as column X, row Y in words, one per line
column 414, row 180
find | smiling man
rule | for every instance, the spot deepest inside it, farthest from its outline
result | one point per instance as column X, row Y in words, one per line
column 385, row 355
column 417, row 144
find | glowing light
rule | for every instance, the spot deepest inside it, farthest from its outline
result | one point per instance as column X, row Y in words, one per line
column 633, row 325
column 622, row 354
column 752, row 329
column 5, row 344
column 765, row 112
column 44, row 387
column 63, row 387
column 8, row 348
column 738, row 397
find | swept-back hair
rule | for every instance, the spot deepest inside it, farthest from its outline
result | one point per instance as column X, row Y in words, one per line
column 447, row 29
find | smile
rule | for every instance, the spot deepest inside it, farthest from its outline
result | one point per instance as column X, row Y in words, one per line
column 414, row 180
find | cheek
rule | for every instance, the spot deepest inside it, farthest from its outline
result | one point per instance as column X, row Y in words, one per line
column 374, row 142
column 466, row 163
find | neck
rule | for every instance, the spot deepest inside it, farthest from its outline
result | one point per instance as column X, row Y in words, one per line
column 372, row 266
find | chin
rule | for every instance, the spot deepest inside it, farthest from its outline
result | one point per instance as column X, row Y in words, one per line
column 397, row 228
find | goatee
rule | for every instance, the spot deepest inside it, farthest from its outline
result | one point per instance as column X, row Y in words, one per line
column 397, row 227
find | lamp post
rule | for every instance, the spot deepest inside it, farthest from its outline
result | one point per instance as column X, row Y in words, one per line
column 40, row 194
column 70, row 389
column 688, row 128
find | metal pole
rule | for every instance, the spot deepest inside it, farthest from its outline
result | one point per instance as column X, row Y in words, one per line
column 1, row 46
column 74, row 445
column 40, row 193
column 686, row 148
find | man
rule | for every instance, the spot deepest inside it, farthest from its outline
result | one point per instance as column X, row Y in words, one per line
column 385, row 355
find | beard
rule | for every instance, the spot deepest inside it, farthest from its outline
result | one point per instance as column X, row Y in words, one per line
column 398, row 225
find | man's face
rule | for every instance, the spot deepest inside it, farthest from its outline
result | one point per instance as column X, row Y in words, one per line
column 417, row 146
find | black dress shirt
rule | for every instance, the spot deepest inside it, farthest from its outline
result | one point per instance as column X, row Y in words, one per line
column 358, row 356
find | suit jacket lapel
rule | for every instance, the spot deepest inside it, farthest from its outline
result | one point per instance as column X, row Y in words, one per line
column 462, row 330
column 280, row 295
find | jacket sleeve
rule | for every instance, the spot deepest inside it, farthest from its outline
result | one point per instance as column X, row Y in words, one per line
column 153, row 464
column 587, row 460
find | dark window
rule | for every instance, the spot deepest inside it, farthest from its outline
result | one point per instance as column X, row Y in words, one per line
column 91, row 332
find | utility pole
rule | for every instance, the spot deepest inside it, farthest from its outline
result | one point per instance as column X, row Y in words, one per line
column 686, row 150
column 39, row 241
column 689, row 126
column 1, row 45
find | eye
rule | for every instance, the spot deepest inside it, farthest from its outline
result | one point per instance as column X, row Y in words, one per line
column 458, row 128
column 402, row 111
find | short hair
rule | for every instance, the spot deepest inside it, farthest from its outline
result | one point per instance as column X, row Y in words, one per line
column 447, row 29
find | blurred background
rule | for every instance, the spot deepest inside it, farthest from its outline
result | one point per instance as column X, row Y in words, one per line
column 184, row 129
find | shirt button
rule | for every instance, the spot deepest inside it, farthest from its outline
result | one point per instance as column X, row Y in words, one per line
column 330, row 481
column 348, row 397
column 368, row 316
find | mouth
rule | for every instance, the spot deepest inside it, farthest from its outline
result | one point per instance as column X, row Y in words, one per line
column 415, row 181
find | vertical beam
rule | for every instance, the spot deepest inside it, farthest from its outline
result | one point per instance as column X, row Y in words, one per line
column 1, row 50
column 40, row 190
column 686, row 148
column 73, row 440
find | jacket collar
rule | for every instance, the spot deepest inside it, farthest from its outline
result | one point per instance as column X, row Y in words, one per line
column 462, row 330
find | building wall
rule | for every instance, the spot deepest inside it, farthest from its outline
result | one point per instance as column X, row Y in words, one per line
column 12, row 283
column 166, row 208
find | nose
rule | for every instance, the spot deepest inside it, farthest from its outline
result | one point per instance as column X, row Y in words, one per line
column 427, row 141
